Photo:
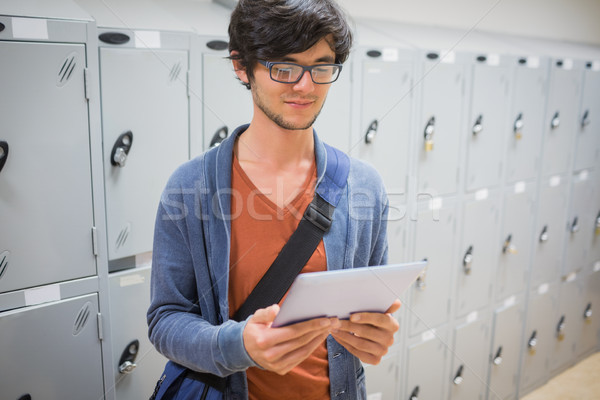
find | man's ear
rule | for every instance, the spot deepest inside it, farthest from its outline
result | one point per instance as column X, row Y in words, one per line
column 240, row 71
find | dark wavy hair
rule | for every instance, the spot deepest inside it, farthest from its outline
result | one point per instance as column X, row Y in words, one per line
column 271, row 29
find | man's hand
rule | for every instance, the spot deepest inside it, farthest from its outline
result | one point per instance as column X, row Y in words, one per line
column 281, row 349
column 368, row 335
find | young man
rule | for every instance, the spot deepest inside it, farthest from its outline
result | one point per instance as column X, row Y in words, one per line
column 225, row 216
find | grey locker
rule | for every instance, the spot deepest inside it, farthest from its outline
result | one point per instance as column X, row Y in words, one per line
column 567, row 324
column 52, row 351
column 581, row 224
column 540, row 334
column 133, row 354
column 561, row 116
column 468, row 374
column 144, row 92
column 526, row 118
column 382, row 379
column 549, row 232
column 588, row 134
column 478, row 252
column 227, row 104
column 430, row 296
column 438, row 125
column 426, row 367
column 485, row 124
column 589, row 316
column 515, row 240
column 505, row 351
column 385, row 118
column 45, row 182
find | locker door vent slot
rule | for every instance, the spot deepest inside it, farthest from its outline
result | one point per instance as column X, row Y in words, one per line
column 2, row 26
column 123, row 236
column 371, row 132
column 66, row 69
column 219, row 136
column 83, row 316
column 175, row 71
column 217, row 45
column 4, row 256
column 114, row 38
column 374, row 53
column 414, row 394
column 3, row 154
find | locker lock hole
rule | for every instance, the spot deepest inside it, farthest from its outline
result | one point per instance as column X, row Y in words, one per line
column 121, row 148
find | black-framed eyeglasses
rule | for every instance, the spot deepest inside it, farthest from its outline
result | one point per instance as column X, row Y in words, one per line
column 287, row 72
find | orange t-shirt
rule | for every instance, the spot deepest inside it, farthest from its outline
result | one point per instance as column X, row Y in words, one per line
column 259, row 229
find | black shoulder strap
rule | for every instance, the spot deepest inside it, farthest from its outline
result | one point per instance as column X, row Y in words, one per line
column 294, row 255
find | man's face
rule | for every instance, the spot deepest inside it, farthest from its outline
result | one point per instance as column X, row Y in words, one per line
column 292, row 106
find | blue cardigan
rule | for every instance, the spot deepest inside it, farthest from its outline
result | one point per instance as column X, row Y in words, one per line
column 188, row 317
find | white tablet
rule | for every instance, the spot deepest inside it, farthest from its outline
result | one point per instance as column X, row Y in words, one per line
column 343, row 292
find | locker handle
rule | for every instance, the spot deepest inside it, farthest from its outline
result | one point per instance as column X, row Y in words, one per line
column 120, row 150
column 414, row 395
column 468, row 260
column 219, row 136
column 544, row 234
column 574, row 225
column 3, row 154
column 478, row 127
column 555, row 123
column 532, row 342
column 428, row 133
column 508, row 246
column 127, row 361
column 458, row 378
column 560, row 329
column 585, row 119
column 371, row 131
column 518, row 126
column 498, row 356
column 587, row 314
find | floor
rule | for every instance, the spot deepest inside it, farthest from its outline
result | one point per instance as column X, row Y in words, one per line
column 581, row 382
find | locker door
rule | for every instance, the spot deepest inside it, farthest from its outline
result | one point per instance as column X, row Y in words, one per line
column 468, row 372
column 382, row 379
column 45, row 178
column 426, row 366
column 581, row 224
column 385, row 115
column 439, row 126
column 143, row 92
column 485, row 125
column 567, row 324
column 506, row 350
column 589, row 314
column 137, row 364
column 477, row 255
column 430, row 295
column 526, row 119
column 586, row 155
column 52, row 351
column 227, row 103
column 539, row 336
column 517, row 230
column 549, row 233
column 561, row 117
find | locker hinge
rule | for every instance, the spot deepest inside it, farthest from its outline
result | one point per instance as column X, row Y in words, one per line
column 100, row 327
column 86, row 83
column 94, row 241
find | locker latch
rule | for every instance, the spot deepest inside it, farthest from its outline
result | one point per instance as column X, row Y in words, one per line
column 127, row 361
column 518, row 127
column 544, row 234
column 555, row 120
column 478, row 127
column 371, row 132
column 219, row 136
column 587, row 314
column 574, row 225
column 560, row 329
column 120, row 150
column 597, row 222
column 458, row 378
column 508, row 246
column 468, row 260
column 498, row 357
column 532, row 342
column 428, row 134
column 585, row 119
column 414, row 394
column 3, row 154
